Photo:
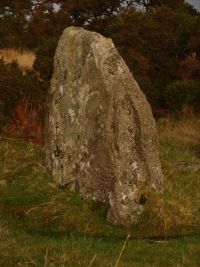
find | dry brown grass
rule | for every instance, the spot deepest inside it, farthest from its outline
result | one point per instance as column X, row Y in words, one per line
column 180, row 153
column 25, row 58
column 184, row 131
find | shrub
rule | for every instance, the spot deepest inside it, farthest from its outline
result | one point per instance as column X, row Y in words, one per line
column 182, row 93
column 25, row 122
column 15, row 85
column 44, row 59
column 3, row 117
column 151, row 91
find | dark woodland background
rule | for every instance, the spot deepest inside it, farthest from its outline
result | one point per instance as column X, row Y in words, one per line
column 159, row 40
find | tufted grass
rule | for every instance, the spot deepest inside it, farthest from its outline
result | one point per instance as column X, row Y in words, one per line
column 44, row 225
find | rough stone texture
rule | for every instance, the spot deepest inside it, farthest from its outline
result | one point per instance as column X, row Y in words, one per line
column 3, row 182
column 101, row 135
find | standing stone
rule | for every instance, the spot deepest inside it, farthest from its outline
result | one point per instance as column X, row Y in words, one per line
column 101, row 136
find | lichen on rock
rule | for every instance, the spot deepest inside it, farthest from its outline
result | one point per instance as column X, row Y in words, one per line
column 101, row 138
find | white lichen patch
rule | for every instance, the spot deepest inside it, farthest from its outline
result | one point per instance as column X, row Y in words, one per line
column 61, row 90
column 153, row 186
column 111, row 201
column 120, row 70
column 134, row 165
column 82, row 166
column 138, row 176
column 124, row 196
column 51, row 120
column 72, row 115
column 132, row 195
column 120, row 183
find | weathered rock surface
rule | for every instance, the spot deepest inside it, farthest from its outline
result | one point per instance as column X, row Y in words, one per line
column 3, row 182
column 101, row 136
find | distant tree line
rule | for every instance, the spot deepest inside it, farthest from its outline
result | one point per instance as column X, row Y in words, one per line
column 159, row 40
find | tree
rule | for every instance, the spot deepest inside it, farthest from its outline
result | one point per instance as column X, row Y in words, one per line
column 150, row 5
column 13, row 21
column 190, row 67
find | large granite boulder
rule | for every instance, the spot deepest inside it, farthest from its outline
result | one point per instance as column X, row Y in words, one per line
column 101, row 137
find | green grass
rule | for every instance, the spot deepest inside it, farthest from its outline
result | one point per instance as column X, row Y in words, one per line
column 44, row 225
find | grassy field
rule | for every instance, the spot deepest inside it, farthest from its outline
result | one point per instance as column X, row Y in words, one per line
column 43, row 225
